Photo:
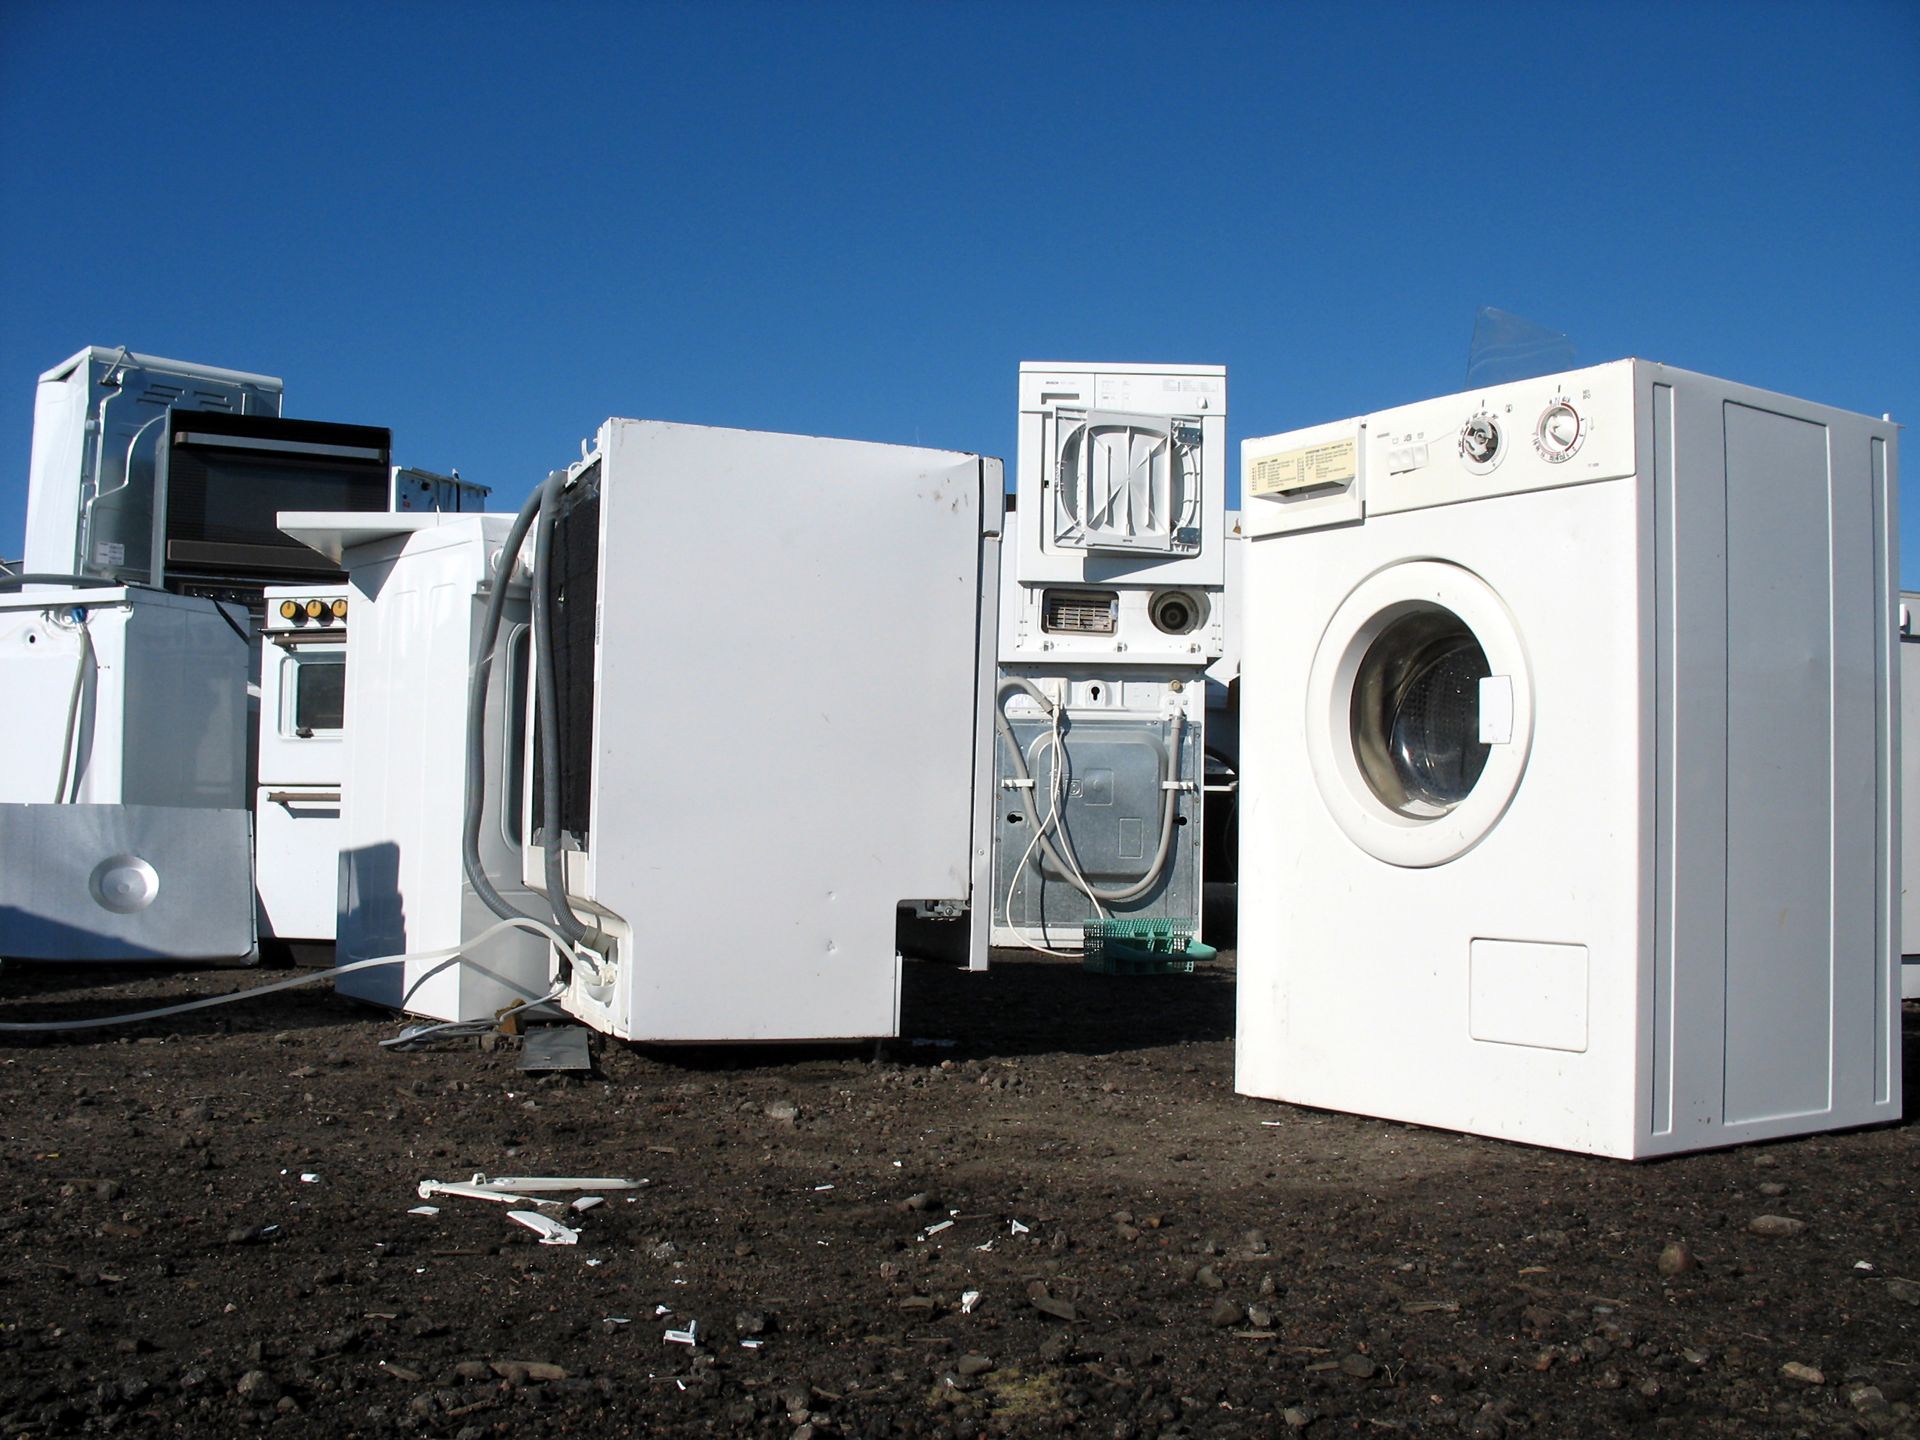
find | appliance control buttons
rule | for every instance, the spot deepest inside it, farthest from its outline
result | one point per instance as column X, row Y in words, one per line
column 1559, row 433
column 1405, row 458
column 1482, row 446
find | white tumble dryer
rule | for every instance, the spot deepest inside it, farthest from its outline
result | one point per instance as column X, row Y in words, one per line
column 1567, row 808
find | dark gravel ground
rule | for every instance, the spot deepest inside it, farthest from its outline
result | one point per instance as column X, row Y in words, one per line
column 1152, row 1254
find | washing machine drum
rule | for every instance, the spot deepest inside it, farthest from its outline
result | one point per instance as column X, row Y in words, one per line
column 1419, row 713
column 1416, row 712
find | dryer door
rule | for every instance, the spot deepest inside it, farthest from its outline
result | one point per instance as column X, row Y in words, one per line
column 1419, row 713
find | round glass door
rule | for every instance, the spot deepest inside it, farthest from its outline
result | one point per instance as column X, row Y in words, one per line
column 1419, row 713
column 1416, row 712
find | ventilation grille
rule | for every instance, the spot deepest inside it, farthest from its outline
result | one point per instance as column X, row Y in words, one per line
column 1078, row 612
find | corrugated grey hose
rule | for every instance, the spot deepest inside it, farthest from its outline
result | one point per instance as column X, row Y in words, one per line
column 548, row 710
column 477, row 680
column 1169, row 773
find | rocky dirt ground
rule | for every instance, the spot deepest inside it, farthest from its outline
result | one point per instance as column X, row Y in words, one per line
column 1044, row 1211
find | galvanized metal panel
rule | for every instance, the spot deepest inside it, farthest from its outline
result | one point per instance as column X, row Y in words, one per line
column 125, row 882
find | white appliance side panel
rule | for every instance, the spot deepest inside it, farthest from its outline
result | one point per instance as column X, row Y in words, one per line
column 56, row 469
column 1909, row 792
column 40, row 660
column 1783, row 717
column 405, row 786
column 402, row 886
column 771, row 781
column 1356, row 979
column 1778, row 931
column 186, row 705
column 296, row 840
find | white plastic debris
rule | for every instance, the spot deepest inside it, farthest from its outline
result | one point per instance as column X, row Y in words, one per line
column 1866, row 1265
column 1019, row 1229
column 595, row 1260
column 546, row 1184
column 307, row 1177
column 550, row 1231
column 617, row 1320
column 688, row 1336
column 987, row 1246
column 751, row 1344
column 587, row 1202
column 661, row 1310
column 968, row 1300
column 818, row 1188
column 936, row 1229
column 430, row 1188
column 424, row 1210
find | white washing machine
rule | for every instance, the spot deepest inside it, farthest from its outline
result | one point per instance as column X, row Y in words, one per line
column 1567, row 739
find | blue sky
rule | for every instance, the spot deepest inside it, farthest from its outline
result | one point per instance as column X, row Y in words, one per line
column 491, row 227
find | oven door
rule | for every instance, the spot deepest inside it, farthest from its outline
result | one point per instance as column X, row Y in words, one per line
column 303, row 688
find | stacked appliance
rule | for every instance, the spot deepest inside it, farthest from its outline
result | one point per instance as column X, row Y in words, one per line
column 417, row 490
column 301, row 765
column 156, row 472
column 416, row 588
column 1112, row 610
column 1569, row 712
column 761, row 737
column 126, row 793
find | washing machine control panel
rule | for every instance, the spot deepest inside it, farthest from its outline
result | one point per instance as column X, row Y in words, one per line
column 1567, row 429
column 1530, row 434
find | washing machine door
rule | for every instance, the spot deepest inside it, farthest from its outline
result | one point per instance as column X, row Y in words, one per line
column 1419, row 713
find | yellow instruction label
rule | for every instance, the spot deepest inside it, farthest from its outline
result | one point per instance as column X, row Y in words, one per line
column 1334, row 463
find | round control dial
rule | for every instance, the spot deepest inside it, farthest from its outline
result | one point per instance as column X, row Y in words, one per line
column 1481, row 444
column 1559, row 432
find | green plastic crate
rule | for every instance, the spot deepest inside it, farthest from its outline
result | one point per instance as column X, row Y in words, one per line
column 1140, row 947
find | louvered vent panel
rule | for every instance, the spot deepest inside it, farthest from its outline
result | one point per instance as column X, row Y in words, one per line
column 1078, row 612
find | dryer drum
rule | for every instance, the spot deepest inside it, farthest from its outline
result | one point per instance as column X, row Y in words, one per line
column 1416, row 712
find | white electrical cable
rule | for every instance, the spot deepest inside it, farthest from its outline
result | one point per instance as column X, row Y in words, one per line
column 84, row 658
column 1057, row 786
column 1056, row 795
column 452, row 952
